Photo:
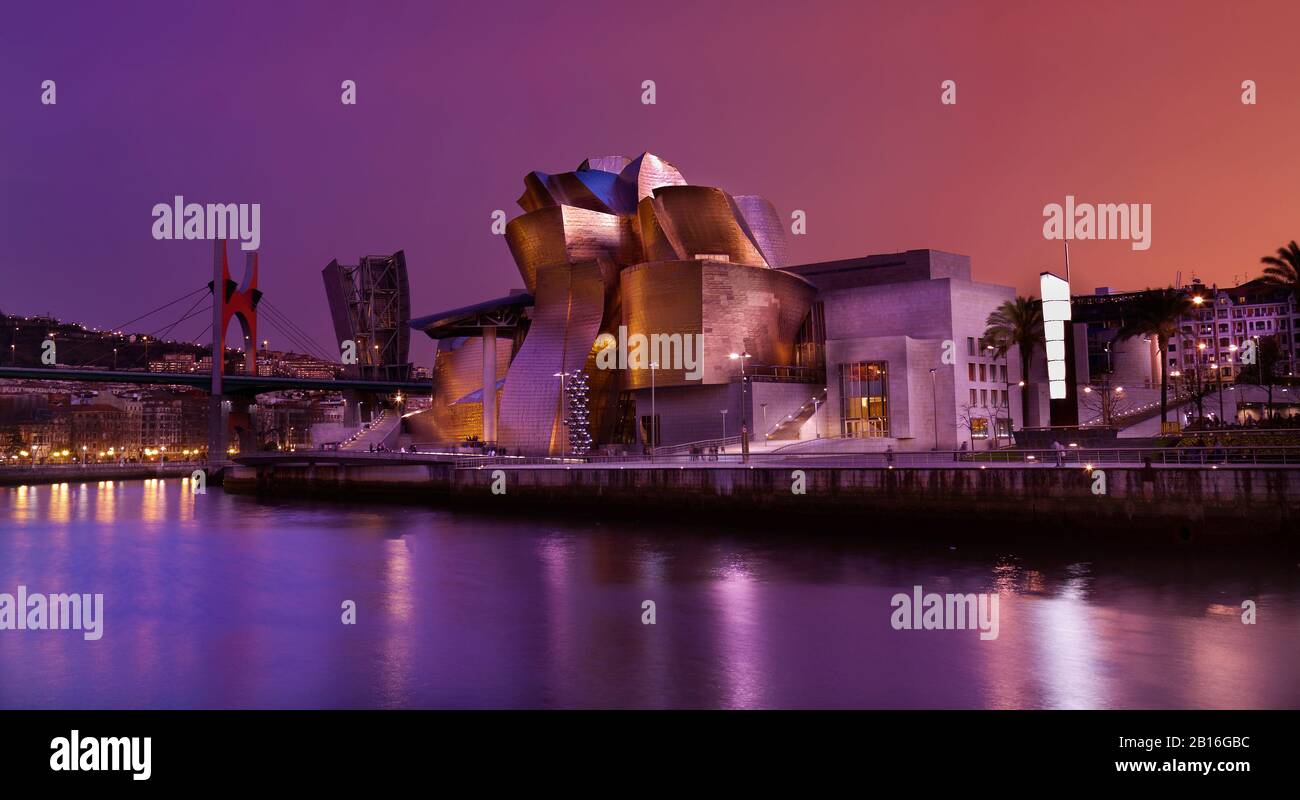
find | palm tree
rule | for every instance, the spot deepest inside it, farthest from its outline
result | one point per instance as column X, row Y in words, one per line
column 1157, row 312
column 1283, row 268
column 1017, row 323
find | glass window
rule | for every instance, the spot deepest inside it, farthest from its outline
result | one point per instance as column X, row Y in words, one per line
column 864, row 399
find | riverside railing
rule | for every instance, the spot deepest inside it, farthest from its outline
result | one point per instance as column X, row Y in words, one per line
column 1210, row 457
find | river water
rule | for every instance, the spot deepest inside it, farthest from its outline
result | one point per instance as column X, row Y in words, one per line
column 219, row 601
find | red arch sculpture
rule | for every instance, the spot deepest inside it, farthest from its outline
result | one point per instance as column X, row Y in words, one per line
column 238, row 301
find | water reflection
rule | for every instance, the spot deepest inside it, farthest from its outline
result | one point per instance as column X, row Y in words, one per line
column 738, row 631
column 215, row 601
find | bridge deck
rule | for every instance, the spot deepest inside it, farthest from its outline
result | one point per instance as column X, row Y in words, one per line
column 231, row 384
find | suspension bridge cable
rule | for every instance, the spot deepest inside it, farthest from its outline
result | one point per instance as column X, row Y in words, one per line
column 300, row 337
column 321, row 352
column 294, row 339
column 189, row 312
column 183, row 297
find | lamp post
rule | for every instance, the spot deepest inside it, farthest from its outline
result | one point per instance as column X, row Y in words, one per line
column 724, row 427
column 654, row 421
column 934, row 406
column 744, row 417
column 1218, row 385
column 817, row 431
column 1200, row 346
column 563, row 405
column 765, row 428
column 1232, row 350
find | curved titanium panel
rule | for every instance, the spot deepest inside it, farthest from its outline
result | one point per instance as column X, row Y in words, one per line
column 457, row 372
column 614, row 164
column 567, row 319
column 737, row 308
column 536, row 193
column 765, row 228
column 589, row 188
column 701, row 221
column 562, row 234
column 654, row 244
column 648, row 172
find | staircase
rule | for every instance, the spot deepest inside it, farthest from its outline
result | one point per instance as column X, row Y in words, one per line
column 788, row 428
column 380, row 431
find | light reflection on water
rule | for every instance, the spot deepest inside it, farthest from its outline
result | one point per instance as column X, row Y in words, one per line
column 215, row 601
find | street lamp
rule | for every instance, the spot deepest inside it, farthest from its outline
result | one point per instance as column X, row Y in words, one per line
column 934, row 406
column 654, row 421
column 564, row 450
column 744, row 417
column 1218, row 386
column 724, row 427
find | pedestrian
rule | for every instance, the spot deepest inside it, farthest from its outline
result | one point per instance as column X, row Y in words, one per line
column 889, row 455
column 1060, row 452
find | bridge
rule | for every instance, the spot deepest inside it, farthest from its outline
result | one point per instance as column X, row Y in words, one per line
column 371, row 309
column 232, row 383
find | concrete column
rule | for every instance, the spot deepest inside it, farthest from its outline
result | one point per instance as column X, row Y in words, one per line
column 217, row 420
column 489, row 384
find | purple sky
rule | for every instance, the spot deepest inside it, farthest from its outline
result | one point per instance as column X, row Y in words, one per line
column 832, row 108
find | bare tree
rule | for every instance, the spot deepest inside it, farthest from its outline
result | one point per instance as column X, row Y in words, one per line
column 970, row 419
column 1106, row 402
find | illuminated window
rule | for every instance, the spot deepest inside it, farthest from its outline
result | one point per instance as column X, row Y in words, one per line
column 864, row 399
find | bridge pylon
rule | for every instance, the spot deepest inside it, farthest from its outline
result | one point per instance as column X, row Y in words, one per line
column 239, row 301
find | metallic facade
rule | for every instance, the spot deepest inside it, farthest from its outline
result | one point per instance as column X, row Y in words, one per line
column 627, row 242
column 566, row 234
column 738, row 309
column 566, row 320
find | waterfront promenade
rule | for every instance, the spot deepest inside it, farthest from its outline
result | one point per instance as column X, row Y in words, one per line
column 79, row 473
column 1193, row 492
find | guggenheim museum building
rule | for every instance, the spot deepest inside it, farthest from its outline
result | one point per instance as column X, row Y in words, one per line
column 655, row 312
